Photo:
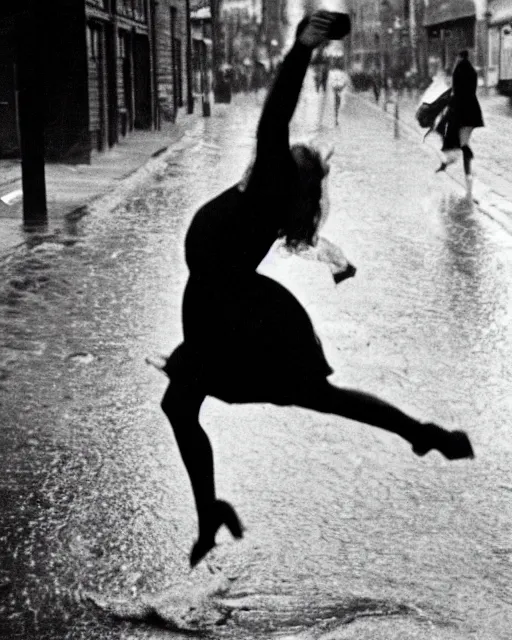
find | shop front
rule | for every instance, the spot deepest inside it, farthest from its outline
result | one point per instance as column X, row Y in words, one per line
column 450, row 27
column 499, row 63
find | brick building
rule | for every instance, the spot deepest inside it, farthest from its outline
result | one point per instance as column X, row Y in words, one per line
column 173, row 57
column 109, row 67
column 452, row 25
column 400, row 36
column 498, row 17
column 385, row 36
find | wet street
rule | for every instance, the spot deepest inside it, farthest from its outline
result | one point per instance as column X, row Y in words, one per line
column 349, row 535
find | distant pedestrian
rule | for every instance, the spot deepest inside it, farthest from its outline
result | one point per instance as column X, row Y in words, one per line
column 339, row 82
column 463, row 115
column 321, row 74
column 376, row 83
column 247, row 339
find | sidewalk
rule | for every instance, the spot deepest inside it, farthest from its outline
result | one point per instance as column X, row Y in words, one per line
column 492, row 187
column 71, row 188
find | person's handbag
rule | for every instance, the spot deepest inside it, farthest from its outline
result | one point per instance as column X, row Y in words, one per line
column 433, row 102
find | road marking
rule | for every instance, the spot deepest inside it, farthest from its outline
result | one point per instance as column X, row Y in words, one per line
column 12, row 197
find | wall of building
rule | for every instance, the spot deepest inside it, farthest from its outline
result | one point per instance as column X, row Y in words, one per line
column 499, row 46
column 454, row 25
column 67, row 113
column 61, row 53
column 365, row 38
column 171, row 57
column 9, row 142
column 109, row 68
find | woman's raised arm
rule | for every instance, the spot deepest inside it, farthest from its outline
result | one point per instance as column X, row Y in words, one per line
column 273, row 128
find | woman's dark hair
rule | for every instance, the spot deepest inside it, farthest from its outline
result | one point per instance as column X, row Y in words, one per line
column 305, row 212
column 464, row 54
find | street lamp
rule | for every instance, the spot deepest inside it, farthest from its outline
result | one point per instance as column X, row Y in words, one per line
column 488, row 16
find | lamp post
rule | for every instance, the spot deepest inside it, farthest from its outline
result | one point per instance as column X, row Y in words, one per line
column 413, row 36
column 190, row 95
column 488, row 16
column 385, row 29
column 31, row 93
column 217, row 81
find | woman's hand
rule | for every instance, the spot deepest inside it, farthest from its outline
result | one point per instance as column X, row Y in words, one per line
column 317, row 29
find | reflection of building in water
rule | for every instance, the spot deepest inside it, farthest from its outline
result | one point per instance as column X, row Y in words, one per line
column 470, row 276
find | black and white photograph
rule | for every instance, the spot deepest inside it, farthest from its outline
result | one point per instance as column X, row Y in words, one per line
column 256, row 319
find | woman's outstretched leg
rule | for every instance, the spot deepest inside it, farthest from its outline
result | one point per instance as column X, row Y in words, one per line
column 181, row 404
column 364, row 407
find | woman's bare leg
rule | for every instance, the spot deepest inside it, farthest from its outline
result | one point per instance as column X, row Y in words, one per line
column 181, row 404
column 369, row 409
column 467, row 156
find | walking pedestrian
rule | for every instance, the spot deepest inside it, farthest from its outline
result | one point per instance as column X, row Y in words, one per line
column 321, row 73
column 339, row 81
column 247, row 339
column 376, row 83
column 463, row 115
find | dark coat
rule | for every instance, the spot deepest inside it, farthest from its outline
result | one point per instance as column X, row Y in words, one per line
column 464, row 109
column 246, row 337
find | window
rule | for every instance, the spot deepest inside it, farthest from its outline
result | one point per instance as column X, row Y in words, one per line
column 121, row 44
column 101, row 4
column 125, row 8
column 140, row 10
column 93, row 42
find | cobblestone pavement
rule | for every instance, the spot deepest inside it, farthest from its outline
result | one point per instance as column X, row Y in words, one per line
column 492, row 145
column 348, row 534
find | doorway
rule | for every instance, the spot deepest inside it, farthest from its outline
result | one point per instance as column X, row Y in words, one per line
column 9, row 139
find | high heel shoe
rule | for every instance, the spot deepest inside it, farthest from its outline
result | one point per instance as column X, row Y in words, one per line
column 223, row 513
column 454, row 445
column 442, row 167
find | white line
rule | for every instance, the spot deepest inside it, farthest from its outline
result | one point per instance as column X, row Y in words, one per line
column 12, row 197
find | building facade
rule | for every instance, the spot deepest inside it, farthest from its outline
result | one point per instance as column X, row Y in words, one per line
column 453, row 25
column 407, row 36
column 173, row 57
column 202, row 52
column 251, row 39
column 499, row 46
column 385, row 37
column 365, row 37
column 240, row 30
column 120, row 75
column 110, row 66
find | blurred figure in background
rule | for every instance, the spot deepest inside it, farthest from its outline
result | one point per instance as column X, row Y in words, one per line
column 376, row 82
column 339, row 81
column 321, row 72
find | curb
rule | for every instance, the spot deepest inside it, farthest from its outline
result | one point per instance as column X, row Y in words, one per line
column 486, row 200
column 111, row 196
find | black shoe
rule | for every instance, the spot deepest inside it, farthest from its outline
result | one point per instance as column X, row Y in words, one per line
column 348, row 272
column 441, row 167
column 454, row 445
column 223, row 513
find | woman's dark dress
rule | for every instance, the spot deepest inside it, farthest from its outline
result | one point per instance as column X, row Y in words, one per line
column 246, row 337
column 464, row 109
